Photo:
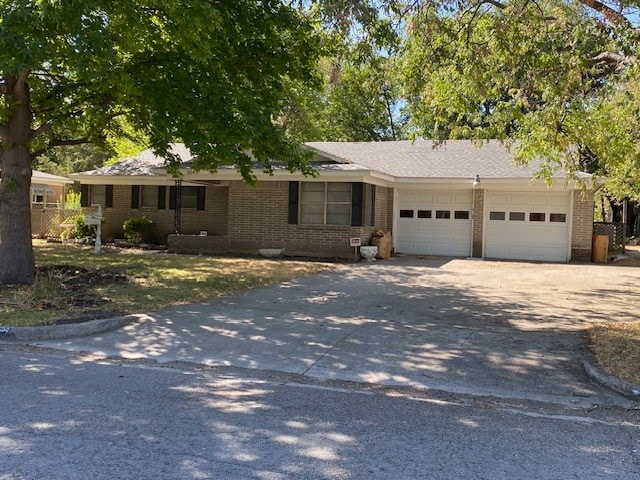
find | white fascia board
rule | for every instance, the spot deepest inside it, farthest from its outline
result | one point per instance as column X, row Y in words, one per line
column 486, row 183
column 44, row 181
column 280, row 175
column 128, row 180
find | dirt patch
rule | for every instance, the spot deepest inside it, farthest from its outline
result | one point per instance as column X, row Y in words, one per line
column 73, row 288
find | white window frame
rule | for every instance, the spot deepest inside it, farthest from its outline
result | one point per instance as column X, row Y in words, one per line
column 325, row 204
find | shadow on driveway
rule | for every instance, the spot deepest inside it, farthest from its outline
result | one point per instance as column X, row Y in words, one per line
column 508, row 329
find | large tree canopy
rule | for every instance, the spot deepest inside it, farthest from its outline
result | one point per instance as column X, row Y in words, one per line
column 556, row 80
column 213, row 75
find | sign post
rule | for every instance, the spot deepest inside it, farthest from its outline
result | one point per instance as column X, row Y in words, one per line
column 95, row 219
column 355, row 242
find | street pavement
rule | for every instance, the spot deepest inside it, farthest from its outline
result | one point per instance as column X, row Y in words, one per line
column 485, row 328
column 75, row 417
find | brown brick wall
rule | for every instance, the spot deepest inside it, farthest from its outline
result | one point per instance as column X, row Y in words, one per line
column 384, row 208
column 212, row 219
column 582, row 225
column 244, row 219
column 478, row 221
column 258, row 218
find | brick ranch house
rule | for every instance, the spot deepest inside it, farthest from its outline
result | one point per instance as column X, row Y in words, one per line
column 455, row 200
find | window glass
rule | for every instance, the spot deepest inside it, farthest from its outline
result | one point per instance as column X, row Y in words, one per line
column 189, row 197
column 536, row 217
column 312, row 192
column 461, row 215
column 325, row 203
column 339, row 192
column 406, row 213
column 312, row 214
column 516, row 216
column 496, row 216
column 338, row 214
column 443, row 214
column 424, row 213
column 98, row 195
column 149, row 196
column 558, row 217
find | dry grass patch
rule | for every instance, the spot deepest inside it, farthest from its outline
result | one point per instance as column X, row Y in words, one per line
column 617, row 349
column 73, row 284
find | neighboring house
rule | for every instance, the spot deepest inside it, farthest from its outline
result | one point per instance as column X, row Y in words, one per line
column 454, row 200
column 47, row 191
column 47, row 201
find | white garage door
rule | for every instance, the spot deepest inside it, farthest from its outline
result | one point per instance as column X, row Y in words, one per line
column 527, row 226
column 435, row 223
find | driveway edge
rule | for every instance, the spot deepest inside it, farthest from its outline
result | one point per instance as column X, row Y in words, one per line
column 614, row 383
column 69, row 330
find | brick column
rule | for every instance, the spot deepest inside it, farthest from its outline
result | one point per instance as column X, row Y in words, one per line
column 478, row 221
column 582, row 225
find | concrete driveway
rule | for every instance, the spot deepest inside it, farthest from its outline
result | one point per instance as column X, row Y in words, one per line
column 506, row 329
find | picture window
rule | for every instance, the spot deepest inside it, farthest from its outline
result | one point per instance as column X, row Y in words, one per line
column 325, row 203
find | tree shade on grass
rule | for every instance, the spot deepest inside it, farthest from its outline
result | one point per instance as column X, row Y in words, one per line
column 213, row 75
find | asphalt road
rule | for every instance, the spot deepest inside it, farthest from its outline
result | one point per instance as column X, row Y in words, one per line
column 71, row 416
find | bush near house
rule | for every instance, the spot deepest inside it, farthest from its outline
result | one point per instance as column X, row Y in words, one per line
column 81, row 229
column 140, row 230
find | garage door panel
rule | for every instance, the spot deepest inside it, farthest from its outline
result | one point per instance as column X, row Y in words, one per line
column 434, row 236
column 538, row 200
column 558, row 201
column 462, row 198
column 424, row 199
column 424, row 230
column 526, row 239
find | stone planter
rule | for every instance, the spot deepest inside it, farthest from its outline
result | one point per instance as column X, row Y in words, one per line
column 271, row 252
column 368, row 253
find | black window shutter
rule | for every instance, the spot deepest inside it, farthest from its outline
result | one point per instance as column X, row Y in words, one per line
column 357, row 204
column 162, row 197
column 294, row 192
column 84, row 195
column 135, row 196
column 373, row 205
column 109, row 200
column 172, row 197
column 202, row 191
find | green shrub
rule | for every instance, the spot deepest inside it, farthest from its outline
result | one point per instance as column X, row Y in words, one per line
column 81, row 229
column 139, row 230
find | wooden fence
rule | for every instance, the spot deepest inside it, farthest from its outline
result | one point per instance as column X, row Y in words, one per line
column 46, row 222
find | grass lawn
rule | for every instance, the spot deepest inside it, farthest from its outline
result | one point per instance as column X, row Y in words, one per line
column 617, row 349
column 617, row 345
column 75, row 284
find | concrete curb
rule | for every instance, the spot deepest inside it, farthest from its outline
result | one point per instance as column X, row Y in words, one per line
column 70, row 330
column 614, row 383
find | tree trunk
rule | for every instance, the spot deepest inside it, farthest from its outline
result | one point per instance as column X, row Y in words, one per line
column 17, row 265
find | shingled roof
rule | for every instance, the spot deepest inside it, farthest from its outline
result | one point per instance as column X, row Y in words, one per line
column 144, row 164
column 422, row 159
